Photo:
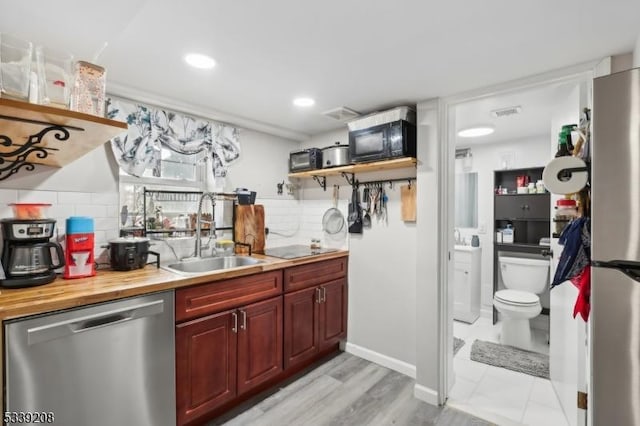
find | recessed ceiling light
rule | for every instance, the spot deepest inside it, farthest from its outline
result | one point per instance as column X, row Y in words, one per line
column 303, row 102
column 474, row 132
column 198, row 60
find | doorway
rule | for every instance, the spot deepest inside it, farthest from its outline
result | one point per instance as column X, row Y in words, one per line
column 525, row 121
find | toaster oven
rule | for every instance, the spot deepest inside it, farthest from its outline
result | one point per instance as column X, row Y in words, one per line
column 305, row 159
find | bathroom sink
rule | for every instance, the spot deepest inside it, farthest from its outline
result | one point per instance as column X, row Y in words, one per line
column 210, row 264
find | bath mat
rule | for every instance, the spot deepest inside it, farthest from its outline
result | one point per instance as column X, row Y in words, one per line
column 532, row 363
column 457, row 344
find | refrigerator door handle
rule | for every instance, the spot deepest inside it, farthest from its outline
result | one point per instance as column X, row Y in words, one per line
column 628, row 267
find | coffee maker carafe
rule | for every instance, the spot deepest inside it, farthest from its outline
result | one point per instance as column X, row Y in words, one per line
column 27, row 254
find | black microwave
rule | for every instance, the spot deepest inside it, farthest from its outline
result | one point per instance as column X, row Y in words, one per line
column 383, row 142
column 305, row 159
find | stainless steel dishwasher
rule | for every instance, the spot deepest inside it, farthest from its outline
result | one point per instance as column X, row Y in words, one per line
column 106, row 364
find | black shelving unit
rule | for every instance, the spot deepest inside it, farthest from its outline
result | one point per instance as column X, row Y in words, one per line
column 166, row 196
column 528, row 214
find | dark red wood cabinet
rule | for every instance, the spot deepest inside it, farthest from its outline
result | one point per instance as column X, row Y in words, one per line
column 237, row 337
column 315, row 309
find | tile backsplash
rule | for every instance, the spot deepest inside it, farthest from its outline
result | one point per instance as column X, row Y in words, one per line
column 103, row 207
column 289, row 221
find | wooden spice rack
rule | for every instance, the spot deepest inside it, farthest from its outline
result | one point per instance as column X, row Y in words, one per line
column 33, row 134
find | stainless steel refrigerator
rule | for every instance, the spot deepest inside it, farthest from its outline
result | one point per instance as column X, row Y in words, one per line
column 615, row 295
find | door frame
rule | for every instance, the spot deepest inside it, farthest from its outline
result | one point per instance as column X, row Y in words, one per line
column 574, row 74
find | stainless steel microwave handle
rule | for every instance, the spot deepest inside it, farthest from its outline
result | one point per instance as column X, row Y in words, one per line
column 91, row 322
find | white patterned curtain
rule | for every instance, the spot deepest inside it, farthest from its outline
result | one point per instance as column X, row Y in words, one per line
column 150, row 129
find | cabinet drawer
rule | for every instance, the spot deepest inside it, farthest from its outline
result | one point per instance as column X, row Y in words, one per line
column 206, row 299
column 303, row 276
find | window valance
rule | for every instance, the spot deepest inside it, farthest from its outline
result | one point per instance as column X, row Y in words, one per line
column 152, row 128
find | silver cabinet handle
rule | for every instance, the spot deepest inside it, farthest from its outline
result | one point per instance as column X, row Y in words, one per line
column 90, row 322
column 324, row 294
column 243, row 326
column 318, row 299
column 235, row 322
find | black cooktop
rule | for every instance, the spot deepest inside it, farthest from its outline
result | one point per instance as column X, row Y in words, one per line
column 292, row 252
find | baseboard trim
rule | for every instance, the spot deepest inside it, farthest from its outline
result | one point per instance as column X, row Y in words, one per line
column 425, row 394
column 383, row 360
column 486, row 312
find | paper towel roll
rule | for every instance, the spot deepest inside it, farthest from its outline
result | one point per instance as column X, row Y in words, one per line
column 556, row 185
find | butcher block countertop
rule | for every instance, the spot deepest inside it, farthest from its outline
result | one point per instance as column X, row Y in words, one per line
column 110, row 285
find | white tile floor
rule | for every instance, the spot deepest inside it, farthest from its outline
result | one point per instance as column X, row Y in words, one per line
column 496, row 394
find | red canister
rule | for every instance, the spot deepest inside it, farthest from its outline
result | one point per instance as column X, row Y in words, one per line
column 79, row 248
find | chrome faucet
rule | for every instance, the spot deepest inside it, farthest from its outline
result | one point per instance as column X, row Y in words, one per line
column 212, row 197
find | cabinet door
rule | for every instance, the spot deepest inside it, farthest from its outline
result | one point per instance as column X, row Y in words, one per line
column 205, row 365
column 300, row 326
column 462, row 290
column 509, row 207
column 259, row 343
column 537, row 207
column 333, row 312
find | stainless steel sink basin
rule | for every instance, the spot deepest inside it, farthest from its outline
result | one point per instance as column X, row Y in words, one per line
column 210, row 264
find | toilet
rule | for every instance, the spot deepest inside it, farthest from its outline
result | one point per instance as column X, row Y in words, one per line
column 524, row 279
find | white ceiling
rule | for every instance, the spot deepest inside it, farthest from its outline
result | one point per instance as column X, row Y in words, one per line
column 364, row 54
column 534, row 119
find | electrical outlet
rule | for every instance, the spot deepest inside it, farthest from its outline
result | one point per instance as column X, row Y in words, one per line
column 482, row 228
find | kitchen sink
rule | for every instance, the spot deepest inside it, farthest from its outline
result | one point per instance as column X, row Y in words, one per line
column 210, row 264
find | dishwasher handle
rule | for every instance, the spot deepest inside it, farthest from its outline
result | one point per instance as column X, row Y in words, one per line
column 91, row 322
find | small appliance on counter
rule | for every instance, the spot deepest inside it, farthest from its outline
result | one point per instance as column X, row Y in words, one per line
column 383, row 135
column 335, row 155
column 79, row 256
column 129, row 253
column 28, row 257
column 303, row 160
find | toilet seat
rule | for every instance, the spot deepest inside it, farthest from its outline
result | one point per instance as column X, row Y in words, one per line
column 516, row 298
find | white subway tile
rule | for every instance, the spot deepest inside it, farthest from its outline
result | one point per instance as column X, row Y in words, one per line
column 105, row 198
column 113, row 211
column 30, row 196
column 99, row 237
column 91, row 210
column 74, row 198
column 106, row 223
column 5, row 211
column 8, row 196
column 62, row 210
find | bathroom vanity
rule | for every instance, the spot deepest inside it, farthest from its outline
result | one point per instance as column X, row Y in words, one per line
column 466, row 276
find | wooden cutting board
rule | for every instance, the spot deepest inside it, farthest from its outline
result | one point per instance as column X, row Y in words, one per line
column 408, row 202
column 249, row 227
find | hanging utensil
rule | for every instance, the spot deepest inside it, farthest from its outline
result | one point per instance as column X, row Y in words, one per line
column 366, row 220
column 333, row 220
column 355, row 227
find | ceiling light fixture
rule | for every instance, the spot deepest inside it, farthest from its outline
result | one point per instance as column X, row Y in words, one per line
column 200, row 61
column 303, row 102
column 474, row 132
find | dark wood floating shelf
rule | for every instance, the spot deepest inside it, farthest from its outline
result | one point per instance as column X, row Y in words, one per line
column 33, row 134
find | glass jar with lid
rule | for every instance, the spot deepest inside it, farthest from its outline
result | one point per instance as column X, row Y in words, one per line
column 566, row 211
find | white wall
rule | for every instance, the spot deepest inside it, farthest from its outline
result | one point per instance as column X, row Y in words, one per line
column 636, row 53
column 431, row 225
column 382, row 271
column 89, row 186
column 528, row 152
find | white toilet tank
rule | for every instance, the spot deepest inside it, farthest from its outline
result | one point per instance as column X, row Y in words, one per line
column 524, row 274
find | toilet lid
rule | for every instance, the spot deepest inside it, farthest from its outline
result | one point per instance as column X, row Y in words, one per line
column 517, row 297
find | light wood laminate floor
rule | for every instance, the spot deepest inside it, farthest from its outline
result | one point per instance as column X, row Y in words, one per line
column 346, row 390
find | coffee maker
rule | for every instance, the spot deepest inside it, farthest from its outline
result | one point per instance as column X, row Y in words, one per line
column 27, row 254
